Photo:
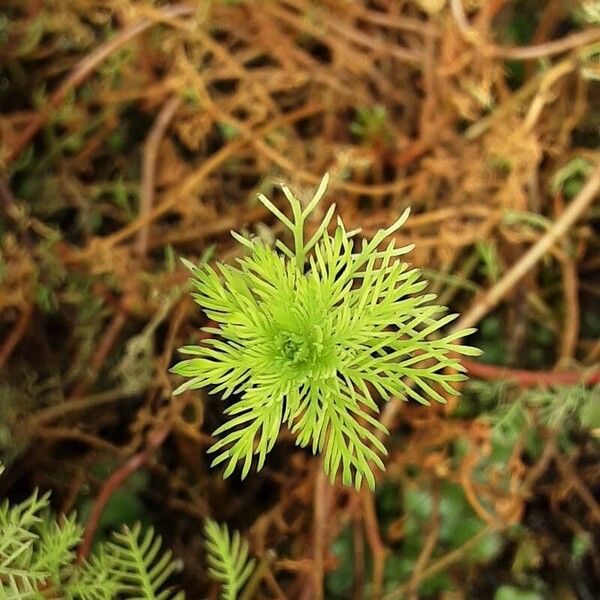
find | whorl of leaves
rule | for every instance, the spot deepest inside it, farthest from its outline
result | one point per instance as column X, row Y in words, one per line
column 311, row 336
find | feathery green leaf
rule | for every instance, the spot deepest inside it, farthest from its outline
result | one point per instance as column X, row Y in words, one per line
column 227, row 558
column 313, row 336
column 140, row 566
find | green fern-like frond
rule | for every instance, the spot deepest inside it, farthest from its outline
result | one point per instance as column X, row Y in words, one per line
column 140, row 566
column 20, row 572
column 57, row 541
column 558, row 407
column 22, row 589
column 227, row 558
column 95, row 579
column 311, row 336
column 37, row 559
column 25, row 515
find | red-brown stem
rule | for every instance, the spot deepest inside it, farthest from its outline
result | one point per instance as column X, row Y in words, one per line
column 112, row 484
column 105, row 345
column 527, row 378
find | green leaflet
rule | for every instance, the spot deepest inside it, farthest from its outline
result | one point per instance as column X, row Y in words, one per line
column 140, row 566
column 37, row 559
column 311, row 336
column 227, row 557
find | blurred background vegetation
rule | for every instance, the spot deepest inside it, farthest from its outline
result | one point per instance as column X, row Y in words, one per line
column 133, row 132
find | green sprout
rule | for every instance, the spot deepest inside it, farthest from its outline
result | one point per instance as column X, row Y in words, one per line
column 311, row 336
column 371, row 125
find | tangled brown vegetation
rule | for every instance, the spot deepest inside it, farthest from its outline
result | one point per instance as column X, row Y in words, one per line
column 133, row 132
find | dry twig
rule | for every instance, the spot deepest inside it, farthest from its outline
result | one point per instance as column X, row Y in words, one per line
column 493, row 296
column 83, row 70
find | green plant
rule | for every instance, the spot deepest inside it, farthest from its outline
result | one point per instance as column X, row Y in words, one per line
column 413, row 505
column 570, row 178
column 37, row 559
column 309, row 335
column 561, row 408
column 227, row 557
column 588, row 12
column 371, row 125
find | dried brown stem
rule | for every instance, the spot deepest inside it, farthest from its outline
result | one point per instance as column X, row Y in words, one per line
column 445, row 561
column 575, row 40
column 570, row 328
column 322, row 500
column 378, row 549
column 83, row 70
column 105, row 345
column 428, row 546
column 492, row 297
column 149, row 167
column 579, row 486
column 113, row 483
column 55, row 411
column 469, row 33
column 13, row 339
column 358, row 544
column 69, row 433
